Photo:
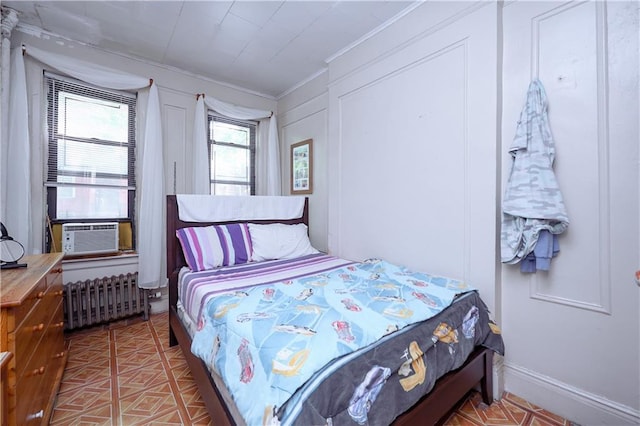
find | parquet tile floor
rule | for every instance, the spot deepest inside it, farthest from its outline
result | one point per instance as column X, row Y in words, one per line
column 125, row 374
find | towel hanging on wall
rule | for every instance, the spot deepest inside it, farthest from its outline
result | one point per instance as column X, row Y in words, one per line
column 532, row 201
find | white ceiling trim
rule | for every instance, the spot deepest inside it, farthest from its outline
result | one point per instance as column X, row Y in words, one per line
column 44, row 34
column 261, row 48
column 373, row 32
column 302, row 83
column 350, row 47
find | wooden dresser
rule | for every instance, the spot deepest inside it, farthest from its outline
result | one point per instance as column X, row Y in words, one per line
column 31, row 327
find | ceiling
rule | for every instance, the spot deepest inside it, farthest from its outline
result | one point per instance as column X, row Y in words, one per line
column 268, row 47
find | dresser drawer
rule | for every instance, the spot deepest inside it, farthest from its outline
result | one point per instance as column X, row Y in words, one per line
column 39, row 381
column 32, row 329
column 54, row 276
column 53, row 345
column 35, row 326
column 19, row 313
column 30, row 403
column 55, row 286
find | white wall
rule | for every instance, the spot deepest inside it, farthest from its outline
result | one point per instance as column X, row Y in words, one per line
column 411, row 144
column 586, row 309
column 410, row 129
column 177, row 92
column 414, row 174
column 419, row 120
column 301, row 121
column 405, row 138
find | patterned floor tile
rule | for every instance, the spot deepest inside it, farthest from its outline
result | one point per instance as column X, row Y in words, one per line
column 154, row 401
column 174, row 356
column 98, row 416
column 83, row 399
column 181, row 374
column 134, row 344
column 154, row 386
column 458, row 419
column 539, row 421
column 193, row 402
column 204, row 420
column 92, row 342
column 133, row 360
column 82, row 374
column 497, row 415
column 88, row 357
column 131, row 330
column 94, row 347
column 538, row 413
column 518, row 413
column 519, row 401
column 135, row 381
column 172, row 418
column 469, row 409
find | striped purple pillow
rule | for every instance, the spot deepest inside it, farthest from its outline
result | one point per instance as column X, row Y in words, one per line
column 209, row 247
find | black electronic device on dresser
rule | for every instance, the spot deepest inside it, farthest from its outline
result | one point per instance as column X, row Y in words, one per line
column 11, row 251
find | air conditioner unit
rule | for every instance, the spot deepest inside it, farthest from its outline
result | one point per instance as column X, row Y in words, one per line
column 89, row 238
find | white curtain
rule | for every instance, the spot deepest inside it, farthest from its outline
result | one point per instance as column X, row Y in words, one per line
column 267, row 149
column 17, row 209
column 150, row 188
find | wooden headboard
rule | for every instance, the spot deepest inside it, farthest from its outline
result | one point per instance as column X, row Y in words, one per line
column 175, row 257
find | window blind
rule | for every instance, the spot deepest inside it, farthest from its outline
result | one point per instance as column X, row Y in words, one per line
column 91, row 135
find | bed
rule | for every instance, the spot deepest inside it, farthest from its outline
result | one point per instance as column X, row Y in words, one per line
column 408, row 373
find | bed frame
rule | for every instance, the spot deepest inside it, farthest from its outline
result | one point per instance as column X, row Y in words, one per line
column 447, row 392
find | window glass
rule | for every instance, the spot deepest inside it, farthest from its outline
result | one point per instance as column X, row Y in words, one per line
column 231, row 133
column 90, row 117
column 229, row 189
column 91, row 202
column 91, row 152
column 231, row 156
column 230, row 163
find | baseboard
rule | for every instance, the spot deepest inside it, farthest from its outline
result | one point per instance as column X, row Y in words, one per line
column 565, row 400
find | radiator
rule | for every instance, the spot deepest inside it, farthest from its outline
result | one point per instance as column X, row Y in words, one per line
column 103, row 299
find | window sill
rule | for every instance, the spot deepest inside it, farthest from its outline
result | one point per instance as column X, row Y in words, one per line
column 98, row 266
column 99, row 256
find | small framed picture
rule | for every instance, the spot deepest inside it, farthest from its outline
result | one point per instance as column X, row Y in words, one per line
column 302, row 167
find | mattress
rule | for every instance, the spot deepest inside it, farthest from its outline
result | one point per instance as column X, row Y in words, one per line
column 387, row 335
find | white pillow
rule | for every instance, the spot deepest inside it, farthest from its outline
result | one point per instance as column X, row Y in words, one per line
column 279, row 241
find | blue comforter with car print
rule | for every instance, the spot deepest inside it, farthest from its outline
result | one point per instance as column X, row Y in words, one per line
column 267, row 340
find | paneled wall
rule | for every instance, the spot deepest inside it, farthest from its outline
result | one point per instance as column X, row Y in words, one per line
column 309, row 121
column 562, row 328
column 411, row 152
column 420, row 118
column 414, row 174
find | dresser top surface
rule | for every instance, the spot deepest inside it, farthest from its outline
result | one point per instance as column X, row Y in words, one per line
column 16, row 284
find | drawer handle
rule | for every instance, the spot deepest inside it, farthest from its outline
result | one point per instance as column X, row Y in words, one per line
column 40, row 295
column 38, row 415
column 58, row 293
column 59, row 355
column 60, row 324
column 57, row 270
column 38, row 327
column 38, row 371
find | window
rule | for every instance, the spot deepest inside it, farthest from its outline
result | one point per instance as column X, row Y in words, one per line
column 90, row 173
column 232, row 147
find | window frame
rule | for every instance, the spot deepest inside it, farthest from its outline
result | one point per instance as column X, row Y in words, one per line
column 53, row 84
column 253, row 129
